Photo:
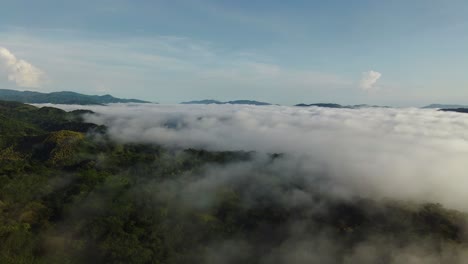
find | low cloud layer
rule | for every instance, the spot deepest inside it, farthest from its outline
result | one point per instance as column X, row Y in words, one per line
column 406, row 154
column 379, row 165
column 369, row 80
column 19, row 71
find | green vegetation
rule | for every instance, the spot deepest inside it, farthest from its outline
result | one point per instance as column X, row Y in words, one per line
column 458, row 110
column 69, row 194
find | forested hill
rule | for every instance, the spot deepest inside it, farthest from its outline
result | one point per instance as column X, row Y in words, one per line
column 61, row 98
column 70, row 194
column 458, row 110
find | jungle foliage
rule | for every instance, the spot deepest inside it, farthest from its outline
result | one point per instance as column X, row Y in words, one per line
column 70, row 194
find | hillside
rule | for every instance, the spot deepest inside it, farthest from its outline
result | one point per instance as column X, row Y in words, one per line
column 61, row 98
column 458, row 110
column 70, row 194
column 19, row 119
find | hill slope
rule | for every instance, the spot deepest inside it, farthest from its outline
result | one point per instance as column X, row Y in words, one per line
column 61, row 98
column 458, row 110
column 18, row 119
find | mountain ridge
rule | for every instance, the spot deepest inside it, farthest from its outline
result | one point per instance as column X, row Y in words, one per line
column 444, row 106
column 333, row 105
column 457, row 110
column 63, row 97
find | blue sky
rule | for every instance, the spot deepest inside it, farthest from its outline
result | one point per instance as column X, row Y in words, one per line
column 365, row 51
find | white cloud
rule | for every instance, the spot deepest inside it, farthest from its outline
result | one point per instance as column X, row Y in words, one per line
column 19, row 71
column 369, row 80
column 407, row 154
column 411, row 156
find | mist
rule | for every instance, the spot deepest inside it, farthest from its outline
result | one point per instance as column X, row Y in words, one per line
column 405, row 154
column 307, row 185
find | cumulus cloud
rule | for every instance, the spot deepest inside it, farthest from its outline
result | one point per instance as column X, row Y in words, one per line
column 408, row 154
column 369, row 80
column 19, row 71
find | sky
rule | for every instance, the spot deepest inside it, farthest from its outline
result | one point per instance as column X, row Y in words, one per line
column 401, row 53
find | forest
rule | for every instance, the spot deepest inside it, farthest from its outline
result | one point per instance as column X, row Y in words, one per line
column 70, row 193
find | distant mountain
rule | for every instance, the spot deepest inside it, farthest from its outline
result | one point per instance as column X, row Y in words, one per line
column 331, row 105
column 239, row 102
column 247, row 102
column 207, row 101
column 458, row 110
column 61, row 98
column 367, row 106
column 327, row 105
column 445, row 106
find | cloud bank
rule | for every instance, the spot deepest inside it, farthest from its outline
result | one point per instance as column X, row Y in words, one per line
column 19, row 71
column 369, row 80
column 404, row 154
column 397, row 158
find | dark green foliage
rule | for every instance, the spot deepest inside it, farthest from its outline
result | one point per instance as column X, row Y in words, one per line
column 458, row 110
column 70, row 198
column 19, row 119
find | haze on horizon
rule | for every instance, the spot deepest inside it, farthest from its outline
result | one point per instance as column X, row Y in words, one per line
column 400, row 53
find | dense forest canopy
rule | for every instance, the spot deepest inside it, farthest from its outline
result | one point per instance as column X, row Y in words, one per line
column 72, row 193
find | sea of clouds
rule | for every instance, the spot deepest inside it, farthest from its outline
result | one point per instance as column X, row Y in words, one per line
column 407, row 154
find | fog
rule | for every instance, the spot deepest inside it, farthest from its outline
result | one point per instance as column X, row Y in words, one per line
column 405, row 154
column 408, row 156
